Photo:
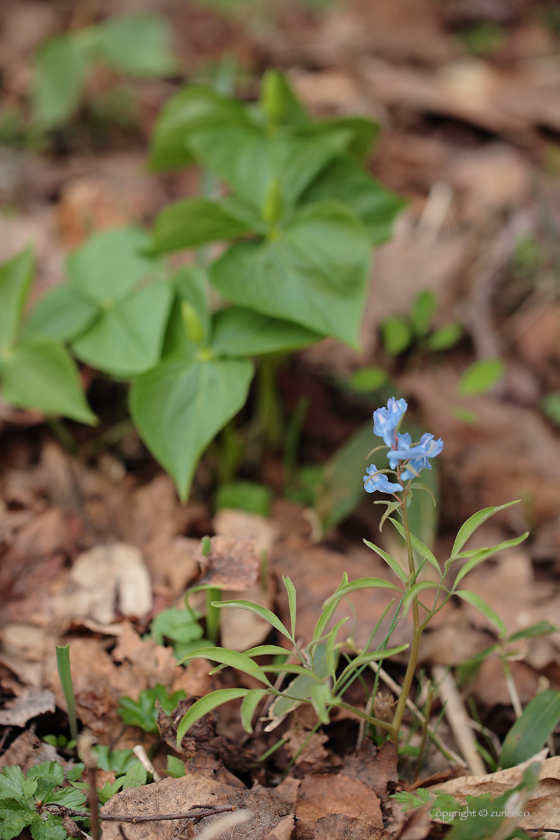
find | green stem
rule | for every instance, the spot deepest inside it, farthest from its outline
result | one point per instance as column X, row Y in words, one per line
column 63, row 665
column 416, row 632
column 213, row 614
column 374, row 721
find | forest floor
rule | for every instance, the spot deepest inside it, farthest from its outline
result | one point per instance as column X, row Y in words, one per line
column 94, row 542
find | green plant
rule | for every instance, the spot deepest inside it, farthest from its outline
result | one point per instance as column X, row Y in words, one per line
column 303, row 214
column 180, row 627
column 315, row 677
column 398, row 332
column 144, row 712
column 25, row 800
column 129, row 771
column 136, row 45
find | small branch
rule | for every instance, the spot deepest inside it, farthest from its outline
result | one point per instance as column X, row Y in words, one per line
column 142, row 757
column 458, row 720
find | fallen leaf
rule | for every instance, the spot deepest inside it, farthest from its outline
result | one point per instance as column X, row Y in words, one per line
column 27, row 750
column 375, row 767
column 341, row 827
column 320, row 796
column 232, row 563
column 30, row 703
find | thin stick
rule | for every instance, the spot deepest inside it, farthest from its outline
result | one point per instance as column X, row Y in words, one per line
column 142, row 757
column 458, row 719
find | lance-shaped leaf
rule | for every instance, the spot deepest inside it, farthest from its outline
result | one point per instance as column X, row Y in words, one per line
column 417, row 545
column 137, row 44
column 371, row 656
column 39, row 374
column 249, row 705
column 314, row 272
column 230, row 658
column 15, row 278
column 180, row 405
column 243, row 332
column 530, row 732
column 481, row 605
column 359, row 584
column 207, row 704
column 193, row 222
column 126, row 339
column 484, row 553
column 60, row 71
column 391, row 562
column 257, row 609
column 475, row 521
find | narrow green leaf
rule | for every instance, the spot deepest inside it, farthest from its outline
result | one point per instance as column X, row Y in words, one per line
column 231, row 658
column 359, row 584
column 65, row 674
column 484, row 553
column 391, row 562
column 542, row 628
column 396, row 334
column 248, row 706
column 422, row 312
column 445, row 337
column 530, row 732
column 194, row 222
column 371, row 656
column 243, row 332
column 314, row 272
column 15, row 279
column 364, row 132
column 419, row 485
column 481, row 605
column 321, row 698
column 291, row 590
column 137, row 44
column 328, row 610
column 180, row 405
column 39, row 374
column 330, row 653
column 480, row 377
column 475, row 521
column 415, row 590
column 259, row 610
column 207, row 704
column 418, row 546
column 62, row 313
column 126, row 340
column 267, row 650
column 60, row 72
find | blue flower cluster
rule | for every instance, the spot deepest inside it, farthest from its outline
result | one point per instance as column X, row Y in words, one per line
column 403, row 453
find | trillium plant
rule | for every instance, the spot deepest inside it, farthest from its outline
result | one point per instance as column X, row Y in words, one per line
column 321, row 672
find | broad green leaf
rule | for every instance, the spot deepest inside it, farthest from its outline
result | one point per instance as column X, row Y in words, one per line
column 12, row 781
column 50, row 829
column 29, row 788
column 109, row 264
column 530, row 732
column 244, row 495
column 191, row 110
column 291, row 590
column 315, row 272
column 364, row 133
column 14, row 817
column 39, row 374
column 117, row 760
column 328, row 610
column 127, row 338
column 249, row 160
column 422, row 312
column 69, row 797
column 391, row 562
column 550, row 406
column 60, row 72
column 368, row 379
column 177, row 625
column 259, row 610
column 321, row 698
column 243, row 332
column 397, row 335
column 481, row 376
column 136, row 776
column 249, row 705
column 230, row 658
column 484, row 553
column 188, row 327
column 481, row 605
column 175, row 767
column 207, row 704
column 418, row 546
column 193, row 222
column 346, row 181
column 15, row 279
column 279, row 102
column 473, row 522
column 179, row 407
column 62, row 313
column 445, row 337
column 359, row 584
column 137, row 44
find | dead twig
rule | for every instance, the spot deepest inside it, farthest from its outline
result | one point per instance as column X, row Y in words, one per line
column 458, row 720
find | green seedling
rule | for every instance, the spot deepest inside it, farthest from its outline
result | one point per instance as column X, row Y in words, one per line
column 143, row 712
column 63, row 665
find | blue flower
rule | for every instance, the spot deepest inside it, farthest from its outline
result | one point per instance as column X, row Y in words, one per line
column 417, row 455
column 378, row 481
column 402, row 442
column 386, row 420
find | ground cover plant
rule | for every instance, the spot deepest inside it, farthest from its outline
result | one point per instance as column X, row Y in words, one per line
column 99, row 559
